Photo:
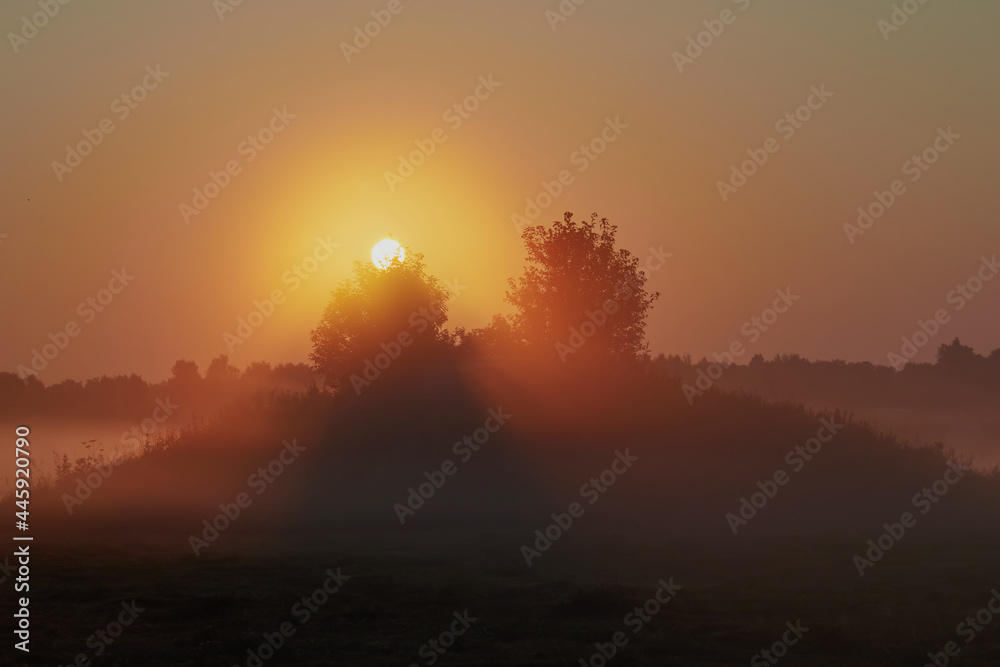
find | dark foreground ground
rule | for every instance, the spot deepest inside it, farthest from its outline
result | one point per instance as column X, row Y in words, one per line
column 404, row 591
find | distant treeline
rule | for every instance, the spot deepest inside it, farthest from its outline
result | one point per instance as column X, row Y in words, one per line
column 187, row 393
column 959, row 378
column 365, row 451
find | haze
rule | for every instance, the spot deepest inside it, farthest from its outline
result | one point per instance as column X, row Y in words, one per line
column 319, row 189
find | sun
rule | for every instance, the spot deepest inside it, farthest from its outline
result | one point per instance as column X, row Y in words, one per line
column 385, row 252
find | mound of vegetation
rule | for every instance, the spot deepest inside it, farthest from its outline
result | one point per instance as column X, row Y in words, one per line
column 553, row 411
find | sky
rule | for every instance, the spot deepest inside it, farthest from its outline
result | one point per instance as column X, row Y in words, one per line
column 290, row 117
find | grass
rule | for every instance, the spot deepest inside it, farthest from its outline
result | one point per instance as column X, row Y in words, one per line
column 735, row 600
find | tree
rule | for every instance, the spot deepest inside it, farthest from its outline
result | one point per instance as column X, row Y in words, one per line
column 956, row 355
column 495, row 338
column 220, row 370
column 184, row 376
column 579, row 288
column 397, row 311
column 221, row 378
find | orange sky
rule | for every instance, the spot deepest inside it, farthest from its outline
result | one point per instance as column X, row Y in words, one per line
column 552, row 90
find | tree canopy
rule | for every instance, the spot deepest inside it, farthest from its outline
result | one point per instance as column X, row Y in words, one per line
column 579, row 293
column 378, row 309
column 578, row 282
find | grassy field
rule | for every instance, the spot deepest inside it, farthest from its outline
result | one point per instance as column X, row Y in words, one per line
column 403, row 591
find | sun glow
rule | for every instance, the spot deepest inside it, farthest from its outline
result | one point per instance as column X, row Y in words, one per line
column 385, row 252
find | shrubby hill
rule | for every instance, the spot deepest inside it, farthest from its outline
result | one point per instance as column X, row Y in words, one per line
column 562, row 427
column 417, row 427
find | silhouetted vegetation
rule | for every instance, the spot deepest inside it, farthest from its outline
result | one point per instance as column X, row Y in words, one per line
column 129, row 397
column 362, row 452
column 431, row 385
column 960, row 377
column 579, row 294
column 397, row 312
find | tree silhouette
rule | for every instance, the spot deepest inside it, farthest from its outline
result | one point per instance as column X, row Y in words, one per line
column 221, row 378
column 185, row 378
column 579, row 288
column 379, row 309
column 957, row 355
column 496, row 337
